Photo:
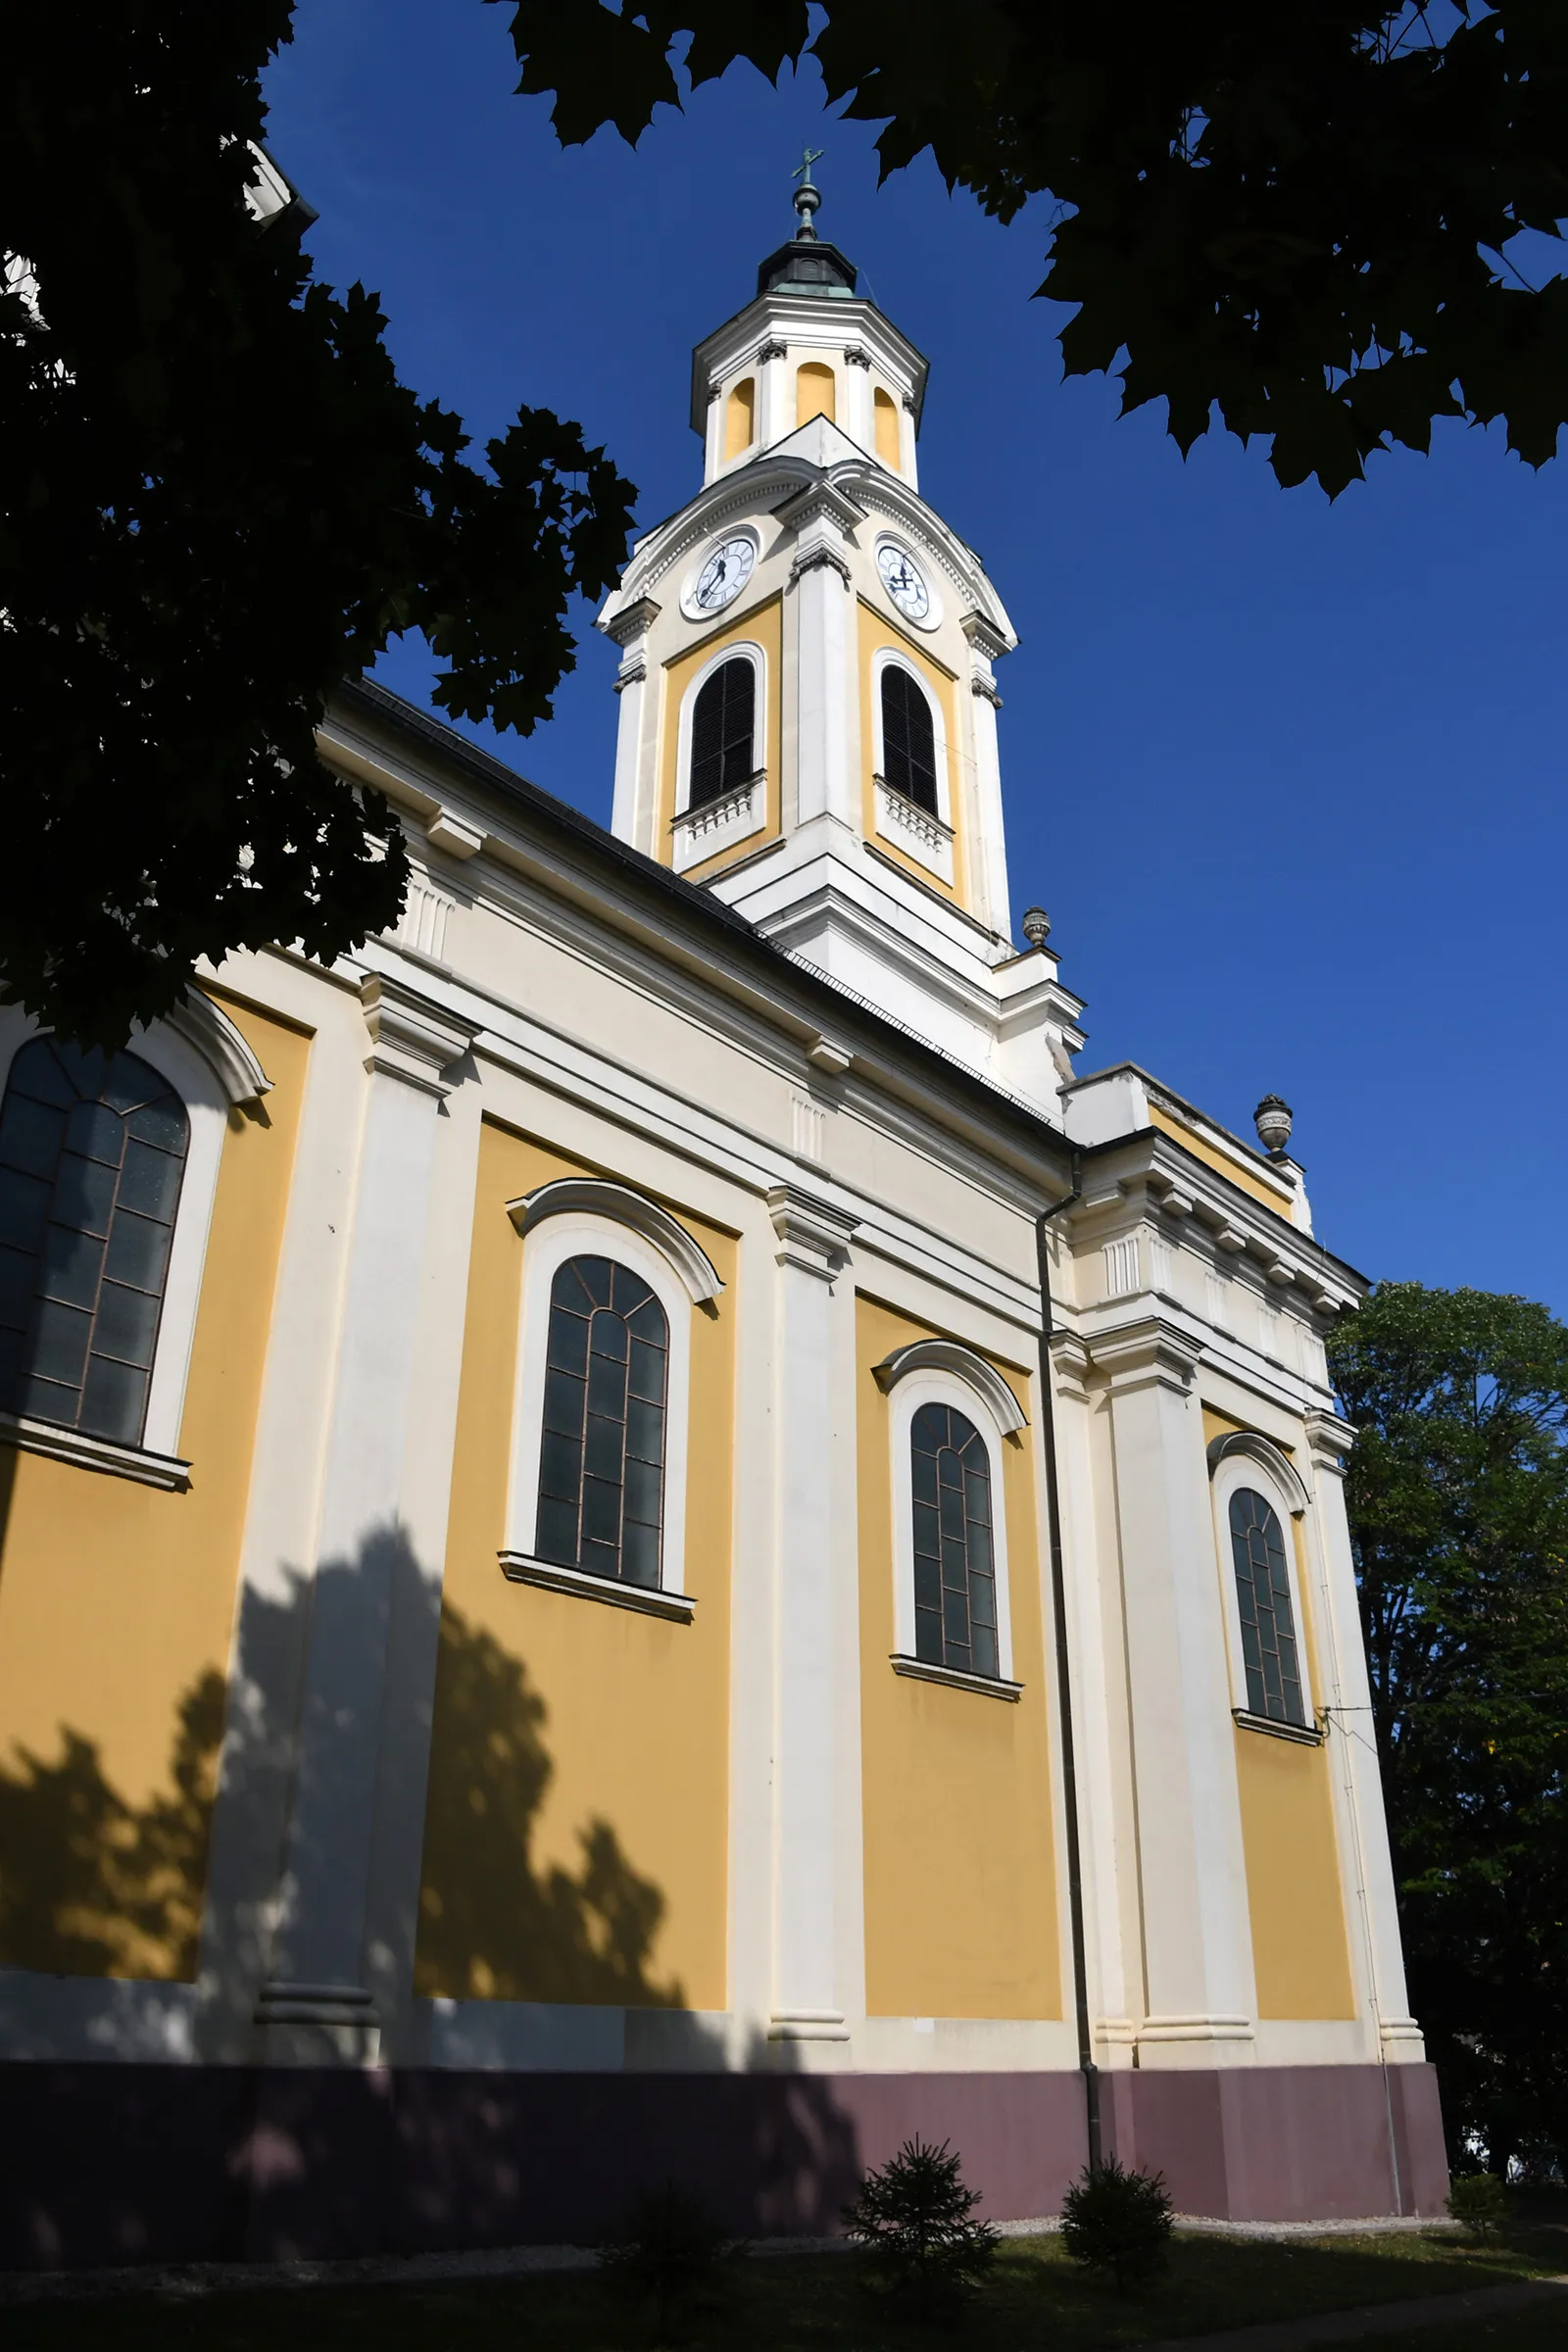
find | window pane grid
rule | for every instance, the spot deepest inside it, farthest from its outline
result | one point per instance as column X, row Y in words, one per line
column 602, row 1452
column 908, row 740
column 92, row 1157
column 955, row 1577
column 1269, row 1655
column 723, row 732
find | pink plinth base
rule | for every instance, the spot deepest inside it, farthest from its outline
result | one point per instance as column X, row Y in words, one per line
column 125, row 2163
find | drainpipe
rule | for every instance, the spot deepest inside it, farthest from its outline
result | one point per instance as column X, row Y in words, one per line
column 1059, row 1598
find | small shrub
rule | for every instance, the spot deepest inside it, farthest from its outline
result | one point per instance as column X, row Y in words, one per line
column 669, row 2252
column 1480, row 2201
column 914, row 2220
column 1119, row 2221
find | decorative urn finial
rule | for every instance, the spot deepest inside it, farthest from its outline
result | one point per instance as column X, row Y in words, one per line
column 1272, row 1118
column 807, row 196
column 1037, row 930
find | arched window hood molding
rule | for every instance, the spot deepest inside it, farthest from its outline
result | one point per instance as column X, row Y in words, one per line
column 963, row 1364
column 1268, row 1456
column 207, row 1028
column 592, row 1196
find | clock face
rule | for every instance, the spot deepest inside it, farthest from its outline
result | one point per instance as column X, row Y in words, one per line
column 725, row 574
column 903, row 582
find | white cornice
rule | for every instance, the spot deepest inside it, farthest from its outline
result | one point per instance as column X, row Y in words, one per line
column 963, row 1364
column 859, row 488
column 592, row 1196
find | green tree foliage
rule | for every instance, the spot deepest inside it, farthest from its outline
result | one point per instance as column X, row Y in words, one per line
column 669, row 2253
column 1480, row 2202
column 1458, row 1498
column 915, row 2221
column 1294, row 214
column 1118, row 2220
column 217, row 501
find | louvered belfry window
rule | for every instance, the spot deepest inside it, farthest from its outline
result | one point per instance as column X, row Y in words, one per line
column 955, row 1567
column 1263, row 1597
column 908, row 740
column 602, row 1456
column 723, row 732
column 92, row 1157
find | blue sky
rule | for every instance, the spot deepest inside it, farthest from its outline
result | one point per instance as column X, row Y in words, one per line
column 1288, row 776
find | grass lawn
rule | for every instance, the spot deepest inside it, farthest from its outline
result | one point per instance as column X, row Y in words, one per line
column 816, row 2303
column 1539, row 2327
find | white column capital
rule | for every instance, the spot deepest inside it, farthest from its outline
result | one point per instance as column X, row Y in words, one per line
column 813, row 1235
column 412, row 1037
column 633, row 621
column 1151, row 1353
column 1069, row 1359
column 1330, row 1439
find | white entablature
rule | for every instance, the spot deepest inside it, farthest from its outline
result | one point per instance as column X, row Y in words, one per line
column 808, row 720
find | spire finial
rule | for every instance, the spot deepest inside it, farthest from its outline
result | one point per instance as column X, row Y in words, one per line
column 806, row 198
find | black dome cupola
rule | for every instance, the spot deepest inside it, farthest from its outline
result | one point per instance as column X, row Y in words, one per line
column 808, row 265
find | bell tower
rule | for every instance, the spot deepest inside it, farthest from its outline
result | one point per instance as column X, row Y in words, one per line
column 807, row 695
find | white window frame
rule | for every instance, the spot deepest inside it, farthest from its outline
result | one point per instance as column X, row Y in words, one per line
column 207, row 1061
column 945, row 1372
column 745, row 649
column 889, row 657
column 579, row 1233
column 1246, row 1458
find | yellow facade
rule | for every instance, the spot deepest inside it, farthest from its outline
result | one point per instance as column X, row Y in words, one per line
column 813, row 392
column 1223, row 1163
column 763, row 626
column 885, row 421
column 961, row 1914
column 740, row 417
column 1295, row 1892
column 577, row 1816
column 117, row 1601
column 1300, row 1953
column 877, row 632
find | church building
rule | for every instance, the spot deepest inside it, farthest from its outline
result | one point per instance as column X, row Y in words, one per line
column 639, row 1540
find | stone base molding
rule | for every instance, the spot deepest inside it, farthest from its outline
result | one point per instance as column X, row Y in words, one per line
column 104, row 2164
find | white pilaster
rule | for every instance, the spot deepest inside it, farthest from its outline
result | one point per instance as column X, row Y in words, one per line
column 821, row 581
column 632, row 811
column 985, row 643
column 813, row 1557
column 775, row 409
column 856, row 382
column 1201, row 2001
column 316, row 2003
column 1097, row 1737
column 1354, row 1745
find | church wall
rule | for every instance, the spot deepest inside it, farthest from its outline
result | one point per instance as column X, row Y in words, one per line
column 758, row 624
column 874, row 633
column 576, row 1820
column 1295, row 1880
column 1230, row 1165
column 115, row 1604
column 960, row 1918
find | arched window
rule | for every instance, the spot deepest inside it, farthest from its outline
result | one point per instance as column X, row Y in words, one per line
column 92, row 1157
column 813, row 392
column 723, row 732
column 955, row 1569
column 740, row 417
column 885, row 418
column 1263, row 1599
column 908, row 739
column 602, row 1454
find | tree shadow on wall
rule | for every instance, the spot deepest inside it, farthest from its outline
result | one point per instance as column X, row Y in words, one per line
column 494, row 1923
column 92, row 1886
